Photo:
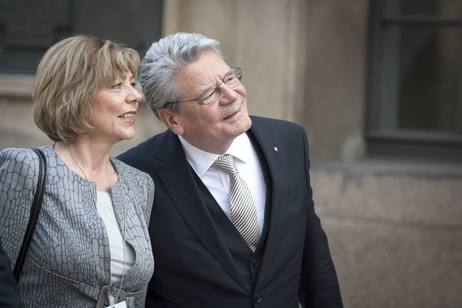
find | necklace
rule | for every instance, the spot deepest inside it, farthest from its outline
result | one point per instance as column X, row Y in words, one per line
column 80, row 167
column 77, row 163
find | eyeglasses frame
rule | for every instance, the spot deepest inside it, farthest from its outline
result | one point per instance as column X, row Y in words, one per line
column 237, row 73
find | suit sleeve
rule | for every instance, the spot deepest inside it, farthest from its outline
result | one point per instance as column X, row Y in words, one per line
column 318, row 286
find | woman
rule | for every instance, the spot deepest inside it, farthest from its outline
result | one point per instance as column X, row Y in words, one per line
column 91, row 245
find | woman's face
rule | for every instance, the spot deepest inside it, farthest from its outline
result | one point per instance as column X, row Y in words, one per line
column 113, row 110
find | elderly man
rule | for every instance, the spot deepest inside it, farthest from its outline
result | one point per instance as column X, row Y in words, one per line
column 233, row 222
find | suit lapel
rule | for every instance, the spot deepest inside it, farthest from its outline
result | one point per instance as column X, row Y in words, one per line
column 275, row 156
column 177, row 179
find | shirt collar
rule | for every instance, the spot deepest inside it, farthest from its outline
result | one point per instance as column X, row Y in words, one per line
column 201, row 161
column 241, row 148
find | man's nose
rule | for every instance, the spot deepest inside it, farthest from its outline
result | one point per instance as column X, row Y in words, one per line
column 227, row 94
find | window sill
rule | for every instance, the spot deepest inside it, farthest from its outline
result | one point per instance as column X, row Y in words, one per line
column 16, row 86
column 421, row 168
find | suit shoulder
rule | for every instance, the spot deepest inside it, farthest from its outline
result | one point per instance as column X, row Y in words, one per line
column 277, row 124
column 141, row 150
column 134, row 151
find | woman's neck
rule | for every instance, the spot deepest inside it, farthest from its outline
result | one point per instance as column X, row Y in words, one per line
column 90, row 160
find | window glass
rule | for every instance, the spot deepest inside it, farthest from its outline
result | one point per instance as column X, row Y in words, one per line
column 414, row 90
column 29, row 27
column 422, row 78
column 440, row 8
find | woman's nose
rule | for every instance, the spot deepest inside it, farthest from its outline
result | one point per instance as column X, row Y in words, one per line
column 134, row 95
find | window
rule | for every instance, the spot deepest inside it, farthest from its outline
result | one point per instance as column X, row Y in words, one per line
column 29, row 27
column 414, row 98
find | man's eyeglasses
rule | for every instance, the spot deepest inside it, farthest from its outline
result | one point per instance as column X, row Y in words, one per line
column 231, row 79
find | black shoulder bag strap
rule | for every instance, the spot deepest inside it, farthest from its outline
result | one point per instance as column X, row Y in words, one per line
column 34, row 214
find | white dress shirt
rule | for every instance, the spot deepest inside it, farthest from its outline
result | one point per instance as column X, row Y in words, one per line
column 217, row 181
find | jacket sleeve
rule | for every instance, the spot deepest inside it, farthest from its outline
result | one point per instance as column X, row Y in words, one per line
column 318, row 286
column 18, row 179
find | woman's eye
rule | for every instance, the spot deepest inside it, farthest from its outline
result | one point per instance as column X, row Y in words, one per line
column 117, row 85
column 133, row 84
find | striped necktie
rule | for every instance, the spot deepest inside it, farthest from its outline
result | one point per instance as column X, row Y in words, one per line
column 243, row 212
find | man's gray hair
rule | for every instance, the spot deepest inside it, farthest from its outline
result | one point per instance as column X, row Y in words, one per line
column 166, row 56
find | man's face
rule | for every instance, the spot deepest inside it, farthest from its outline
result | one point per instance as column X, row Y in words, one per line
column 213, row 127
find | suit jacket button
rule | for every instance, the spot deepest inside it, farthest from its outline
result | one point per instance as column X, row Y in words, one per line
column 257, row 299
column 255, row 262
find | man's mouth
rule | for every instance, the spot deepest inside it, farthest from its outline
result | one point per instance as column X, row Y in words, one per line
column 233, row 114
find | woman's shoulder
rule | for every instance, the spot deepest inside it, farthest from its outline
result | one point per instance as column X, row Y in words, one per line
column 17, row 154
column 19, row 166
column 15, row 158
column 128, row 171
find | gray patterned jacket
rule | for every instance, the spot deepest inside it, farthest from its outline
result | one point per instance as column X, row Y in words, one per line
column 68, row 261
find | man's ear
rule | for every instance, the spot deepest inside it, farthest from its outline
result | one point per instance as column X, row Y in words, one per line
column 170, row 119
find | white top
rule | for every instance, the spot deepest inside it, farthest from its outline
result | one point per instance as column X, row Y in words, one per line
column 122, row 254
column 217, row 181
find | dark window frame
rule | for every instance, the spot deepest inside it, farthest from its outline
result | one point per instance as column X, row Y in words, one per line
column 402, row 143
column 122, row 24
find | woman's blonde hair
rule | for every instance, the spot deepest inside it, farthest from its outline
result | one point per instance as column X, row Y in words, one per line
column 69, row 75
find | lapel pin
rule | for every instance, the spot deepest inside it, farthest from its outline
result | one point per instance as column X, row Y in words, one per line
column 275, row 149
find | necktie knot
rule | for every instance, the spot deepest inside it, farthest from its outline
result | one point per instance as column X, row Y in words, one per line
column 226, row 163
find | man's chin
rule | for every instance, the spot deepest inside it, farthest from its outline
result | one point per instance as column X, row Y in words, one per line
column 243, row 125
column 249, row 123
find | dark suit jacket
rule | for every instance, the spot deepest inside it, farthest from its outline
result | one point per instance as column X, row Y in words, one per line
column 9, row 294
column 193, row 266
